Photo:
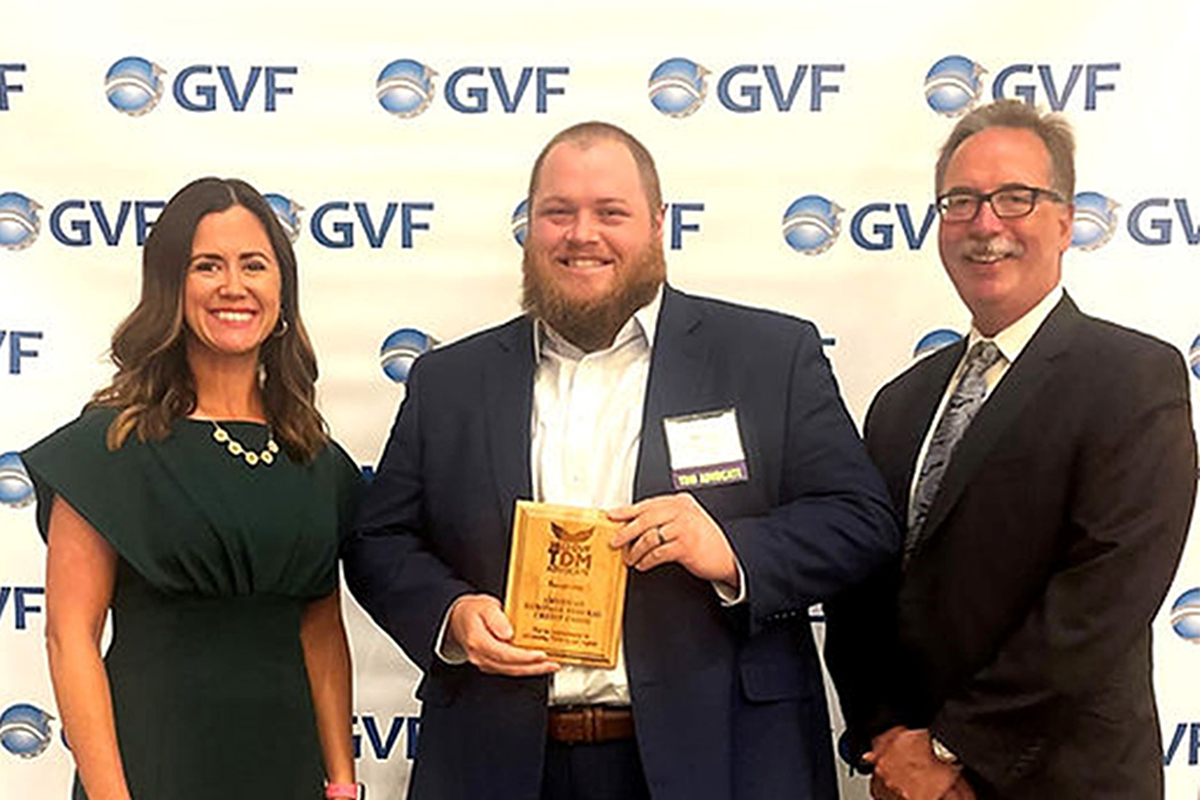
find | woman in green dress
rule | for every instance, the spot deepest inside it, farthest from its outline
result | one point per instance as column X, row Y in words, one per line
column 200, row 498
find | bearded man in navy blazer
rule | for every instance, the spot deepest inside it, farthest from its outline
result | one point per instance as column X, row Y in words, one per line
column 717, row 692
column 1047, row 507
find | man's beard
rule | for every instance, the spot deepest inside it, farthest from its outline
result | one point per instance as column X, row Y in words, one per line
column 592, row 324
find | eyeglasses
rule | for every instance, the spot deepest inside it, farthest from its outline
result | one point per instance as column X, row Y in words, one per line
column 1007, row 202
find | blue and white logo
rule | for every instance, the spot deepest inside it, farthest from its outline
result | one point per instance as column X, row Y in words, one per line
column 953, row 85
column 401, row 349
column 1095, row 220
column 16, row 489
column 1185, row 615
column 405, row 87
column 287, row 211
column 934, row 341
column 1194, row 357
column 134, row 86
column 811, row 224
column 677, row 87
column 25, row 730
column 19, row 223
column 520, row 221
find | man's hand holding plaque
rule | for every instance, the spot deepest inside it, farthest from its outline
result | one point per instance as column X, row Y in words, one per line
column 675, row 528
column 565, row 595
column 479, row 629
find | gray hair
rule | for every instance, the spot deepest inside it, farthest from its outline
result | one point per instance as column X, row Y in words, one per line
column 1053, row 129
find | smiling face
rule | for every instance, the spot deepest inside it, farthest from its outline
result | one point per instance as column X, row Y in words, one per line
column 233, row 286
column 593, row 254
column 1002, row 268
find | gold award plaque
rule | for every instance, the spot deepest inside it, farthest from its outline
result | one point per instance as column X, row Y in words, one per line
column 565, row 593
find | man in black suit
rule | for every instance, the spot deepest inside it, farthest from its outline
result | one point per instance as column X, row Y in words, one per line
column 1046, row 467
column 614, row 388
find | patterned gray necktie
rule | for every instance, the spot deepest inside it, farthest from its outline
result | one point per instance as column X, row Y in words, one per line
column 961, row 408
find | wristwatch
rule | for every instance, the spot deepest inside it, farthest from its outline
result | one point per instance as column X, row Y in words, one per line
column 941, row 752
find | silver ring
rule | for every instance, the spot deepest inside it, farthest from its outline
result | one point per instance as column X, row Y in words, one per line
column 661, row 539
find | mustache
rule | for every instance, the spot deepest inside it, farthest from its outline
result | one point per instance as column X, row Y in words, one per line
column 996, row 247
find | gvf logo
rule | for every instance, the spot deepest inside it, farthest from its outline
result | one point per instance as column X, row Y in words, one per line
column 340, row 233
column 811, row 224
column 1185, row 612
column 400, row 349
column 1153, row 221
column 520, row 222
column 678, row 86
column 19, row 222
column 25, row 730
column 954, row 84
column 1194, row 357
column 935, row 340
column 287, row 211
column 405, row 88
column 16, row 489
column 134, row 86
column 1095, row 220
column 72, row 221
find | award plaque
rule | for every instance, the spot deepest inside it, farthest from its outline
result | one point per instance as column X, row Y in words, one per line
column 565, row 593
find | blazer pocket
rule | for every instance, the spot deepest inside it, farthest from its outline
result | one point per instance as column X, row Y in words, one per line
column 780, row 664
column 764, row 683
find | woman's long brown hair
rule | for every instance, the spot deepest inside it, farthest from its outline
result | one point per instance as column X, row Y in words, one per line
column 153, row 384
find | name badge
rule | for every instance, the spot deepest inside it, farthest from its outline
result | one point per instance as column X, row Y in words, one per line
column 705, row 449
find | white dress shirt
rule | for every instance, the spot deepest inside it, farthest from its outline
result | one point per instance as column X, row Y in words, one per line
column 585, row 435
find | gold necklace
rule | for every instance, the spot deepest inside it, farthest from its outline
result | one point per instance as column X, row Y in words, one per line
column 238, row 450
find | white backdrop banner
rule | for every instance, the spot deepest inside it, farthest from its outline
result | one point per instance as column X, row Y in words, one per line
column 796, row 146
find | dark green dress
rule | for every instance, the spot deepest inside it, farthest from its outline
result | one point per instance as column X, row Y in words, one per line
column 217, row 561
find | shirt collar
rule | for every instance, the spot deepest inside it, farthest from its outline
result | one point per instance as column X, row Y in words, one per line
column 1012, row 340
column 643, row 323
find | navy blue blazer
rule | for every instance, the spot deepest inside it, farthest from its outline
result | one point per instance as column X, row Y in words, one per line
column 728, row 702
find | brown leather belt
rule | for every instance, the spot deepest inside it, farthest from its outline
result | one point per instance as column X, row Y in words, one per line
column 589, row 724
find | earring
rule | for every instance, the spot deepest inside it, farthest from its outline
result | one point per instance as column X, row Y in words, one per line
column 281, row 328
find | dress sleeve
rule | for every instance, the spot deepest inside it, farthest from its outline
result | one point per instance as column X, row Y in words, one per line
column 73, row 463
column 350, row 487
column 108, row 488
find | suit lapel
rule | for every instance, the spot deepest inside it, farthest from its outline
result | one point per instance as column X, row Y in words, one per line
column 508, row 403
column 676, row 381
column 1021, row 384
column 676, row 374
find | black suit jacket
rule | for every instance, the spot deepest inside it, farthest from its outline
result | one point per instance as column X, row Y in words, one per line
column 728, row 702
column 1019, row 632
